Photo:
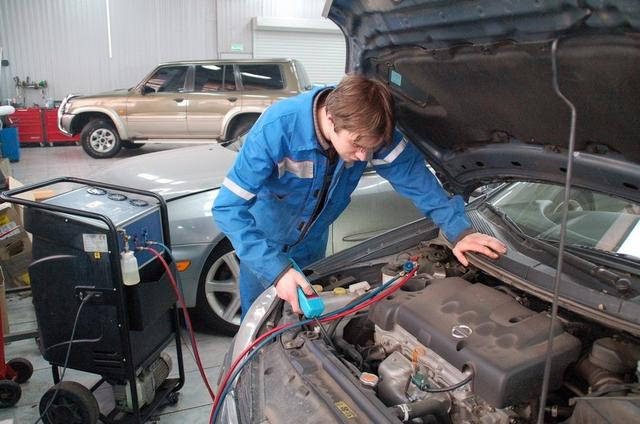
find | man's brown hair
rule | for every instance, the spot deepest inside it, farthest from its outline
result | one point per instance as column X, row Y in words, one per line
column 363, row 106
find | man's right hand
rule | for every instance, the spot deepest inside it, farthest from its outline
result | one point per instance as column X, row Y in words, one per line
column 287, row 288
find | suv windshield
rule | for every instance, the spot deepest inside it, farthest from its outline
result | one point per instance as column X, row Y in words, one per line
column 595, row 220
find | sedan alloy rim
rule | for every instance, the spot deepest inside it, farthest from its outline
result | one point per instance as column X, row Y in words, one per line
column 221, row 288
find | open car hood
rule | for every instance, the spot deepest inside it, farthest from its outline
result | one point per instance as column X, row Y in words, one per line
column 473, row 85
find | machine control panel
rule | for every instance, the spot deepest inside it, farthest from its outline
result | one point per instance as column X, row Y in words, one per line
column 135, row 215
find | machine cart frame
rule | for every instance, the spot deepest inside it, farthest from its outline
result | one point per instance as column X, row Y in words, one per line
column 167, row 393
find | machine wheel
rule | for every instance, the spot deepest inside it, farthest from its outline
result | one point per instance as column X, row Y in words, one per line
column 73, row 404
column 23, row 369
column 218, row 299
column 131, row 145
column 10, row 393
column 100, row 139
column 173, row 398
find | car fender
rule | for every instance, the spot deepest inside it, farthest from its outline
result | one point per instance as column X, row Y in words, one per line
column 193, row 236
column 237, row 111
column 117, row 120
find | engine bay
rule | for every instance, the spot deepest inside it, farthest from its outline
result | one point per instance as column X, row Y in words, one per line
column 455, row 344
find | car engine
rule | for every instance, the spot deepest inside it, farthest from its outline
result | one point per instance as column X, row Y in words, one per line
column 456, row 345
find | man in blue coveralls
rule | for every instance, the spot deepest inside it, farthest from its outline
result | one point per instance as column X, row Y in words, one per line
column 296, row 171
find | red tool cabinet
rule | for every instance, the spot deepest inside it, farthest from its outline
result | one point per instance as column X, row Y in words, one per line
column 52, row 133
column 36, row 125
column 30, row 125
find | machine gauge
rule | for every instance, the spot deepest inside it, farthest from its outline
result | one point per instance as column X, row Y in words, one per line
column 117, row 197
column 139, row 202
column 96, row 191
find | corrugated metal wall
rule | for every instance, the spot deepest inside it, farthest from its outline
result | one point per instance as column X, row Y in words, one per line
column 66, row 43
column 236, row 15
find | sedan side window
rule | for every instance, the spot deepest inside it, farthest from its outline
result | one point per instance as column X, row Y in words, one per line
column 261, row 77
column 214, row 78
column 166, row 80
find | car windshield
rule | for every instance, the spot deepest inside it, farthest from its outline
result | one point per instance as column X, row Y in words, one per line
column 595, row 220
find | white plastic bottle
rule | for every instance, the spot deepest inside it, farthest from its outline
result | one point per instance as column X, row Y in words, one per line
column 129, row 266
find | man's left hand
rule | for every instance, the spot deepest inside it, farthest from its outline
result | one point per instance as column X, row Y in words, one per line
column 481, row 243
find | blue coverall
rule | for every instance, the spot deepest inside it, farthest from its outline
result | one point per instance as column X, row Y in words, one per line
column 267, row 203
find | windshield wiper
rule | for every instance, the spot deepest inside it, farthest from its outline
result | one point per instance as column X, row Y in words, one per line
column 506, row 219
column 602, row 274
column 603, row 252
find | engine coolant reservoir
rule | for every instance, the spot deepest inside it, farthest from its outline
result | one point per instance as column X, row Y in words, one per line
column 129, row 266
column 336, row 299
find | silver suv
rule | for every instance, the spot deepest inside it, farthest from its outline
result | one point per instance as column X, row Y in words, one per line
column 181, row 102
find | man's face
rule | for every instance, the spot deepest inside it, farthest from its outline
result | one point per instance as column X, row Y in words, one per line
column 350, row 147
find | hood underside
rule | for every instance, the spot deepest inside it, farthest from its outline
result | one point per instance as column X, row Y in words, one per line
column 473, row 85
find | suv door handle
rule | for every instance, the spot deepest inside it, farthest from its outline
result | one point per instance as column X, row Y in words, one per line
column 232, row 99
column 178, row 100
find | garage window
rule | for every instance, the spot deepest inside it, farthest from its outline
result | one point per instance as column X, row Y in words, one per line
column 213, row 78
column 261, row 77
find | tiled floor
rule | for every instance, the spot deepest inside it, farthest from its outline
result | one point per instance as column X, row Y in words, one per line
column 37, row 164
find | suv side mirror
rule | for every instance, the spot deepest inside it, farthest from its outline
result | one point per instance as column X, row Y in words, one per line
column 144, row 90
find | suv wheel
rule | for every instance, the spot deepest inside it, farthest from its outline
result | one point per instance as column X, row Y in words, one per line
column 218, row 298
column 100, row 139
column 240, row 126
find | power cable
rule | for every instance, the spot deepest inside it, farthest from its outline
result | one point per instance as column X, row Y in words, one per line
column 66, row 359
column 424, row 388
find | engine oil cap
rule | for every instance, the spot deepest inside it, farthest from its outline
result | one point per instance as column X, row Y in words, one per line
column 339, row 291
column 368, row 379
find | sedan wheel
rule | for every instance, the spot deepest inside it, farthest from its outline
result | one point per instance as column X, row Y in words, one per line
column 218, row 303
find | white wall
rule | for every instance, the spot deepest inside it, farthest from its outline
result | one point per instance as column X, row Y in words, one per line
column 66, row 41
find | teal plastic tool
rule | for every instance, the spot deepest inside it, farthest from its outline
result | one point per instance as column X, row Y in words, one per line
column 312, row 306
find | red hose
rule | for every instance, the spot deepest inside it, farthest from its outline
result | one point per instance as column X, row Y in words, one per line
column 233, row 366
column 194, row 345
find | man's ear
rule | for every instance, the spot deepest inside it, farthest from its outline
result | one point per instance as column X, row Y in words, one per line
column 330, row 119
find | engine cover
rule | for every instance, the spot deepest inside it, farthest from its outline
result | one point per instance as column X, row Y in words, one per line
column 480, row 327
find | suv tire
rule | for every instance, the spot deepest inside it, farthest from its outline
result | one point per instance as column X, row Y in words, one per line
column 240, row 126
column 100, row 139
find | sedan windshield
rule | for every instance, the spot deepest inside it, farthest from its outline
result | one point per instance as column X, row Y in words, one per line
column 595, row 220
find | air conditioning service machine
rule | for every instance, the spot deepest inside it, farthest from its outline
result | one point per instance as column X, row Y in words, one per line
column 104, row 304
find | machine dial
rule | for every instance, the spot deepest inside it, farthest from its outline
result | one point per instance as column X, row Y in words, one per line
column 96, row 191
column 118, row 197
column 139, row 202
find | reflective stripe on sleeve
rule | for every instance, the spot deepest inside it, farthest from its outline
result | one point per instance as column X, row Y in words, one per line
column 237, row 190
column 392, row 154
